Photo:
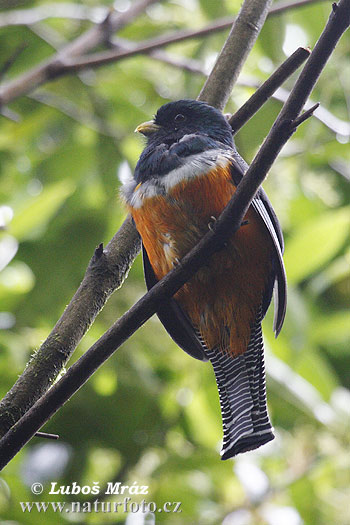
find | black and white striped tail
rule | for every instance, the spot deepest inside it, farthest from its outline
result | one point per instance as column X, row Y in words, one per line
column 241, row 384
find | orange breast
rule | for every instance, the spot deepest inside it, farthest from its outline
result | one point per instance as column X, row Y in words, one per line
column 223, row 298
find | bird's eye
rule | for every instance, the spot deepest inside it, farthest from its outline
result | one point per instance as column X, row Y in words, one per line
column 179, row 118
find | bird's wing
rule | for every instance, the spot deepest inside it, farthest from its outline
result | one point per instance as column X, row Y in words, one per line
column 279, row 285
column 174, row 319
column 277, row 282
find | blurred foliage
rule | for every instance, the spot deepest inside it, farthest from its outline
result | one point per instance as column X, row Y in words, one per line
column 151, row 414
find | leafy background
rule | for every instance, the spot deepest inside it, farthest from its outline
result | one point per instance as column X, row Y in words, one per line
column 151, row 413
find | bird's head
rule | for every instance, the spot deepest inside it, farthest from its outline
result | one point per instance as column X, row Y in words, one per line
column 184, row 117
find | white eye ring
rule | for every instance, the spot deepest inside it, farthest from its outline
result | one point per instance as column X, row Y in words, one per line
column 179, row 118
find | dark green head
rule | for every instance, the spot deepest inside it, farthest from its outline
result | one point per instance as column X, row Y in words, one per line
column 184, row 117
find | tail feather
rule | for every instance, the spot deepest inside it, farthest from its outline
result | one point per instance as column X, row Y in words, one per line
column 241, row 385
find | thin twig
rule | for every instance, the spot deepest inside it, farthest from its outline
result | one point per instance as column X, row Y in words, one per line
column 228, row 222
column 270, row 88
column 335, row 124
column 40, row 74
column 304, row 116
column 187, row 64
column 282, row 7
column 45, row 435
column 266, row 90
column 71, row 65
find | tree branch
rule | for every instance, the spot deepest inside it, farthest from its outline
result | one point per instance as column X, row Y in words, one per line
column 188, row 64
column 266, row 90
column 63, row 63
column 213, row 241
column 233, row 59
column 335, row 124
column 34, row 15
column 25, row 83
column 270, row 88
column 304, row 116
column 105, row 273
column 57, row 349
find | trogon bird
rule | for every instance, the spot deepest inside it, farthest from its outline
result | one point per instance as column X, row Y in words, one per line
column 184, row 178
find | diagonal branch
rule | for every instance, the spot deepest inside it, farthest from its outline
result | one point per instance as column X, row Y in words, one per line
column 335, row 124
column 40, row 74
column 264, row 92
column 55, row 352
column 34, row 15
column 213, row 241
column 270, row 88
column 63, row 62
column 105, row 273
column 232, row 62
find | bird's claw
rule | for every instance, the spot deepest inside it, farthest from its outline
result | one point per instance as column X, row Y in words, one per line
column 212, row 222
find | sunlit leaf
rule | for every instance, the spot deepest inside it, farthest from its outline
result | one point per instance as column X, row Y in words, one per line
column 105, row 382
column 16, row 280
column 315, row 243
column 333, row 329
column 38, row 211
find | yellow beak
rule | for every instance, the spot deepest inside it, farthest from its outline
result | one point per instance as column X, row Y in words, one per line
column 147, row 128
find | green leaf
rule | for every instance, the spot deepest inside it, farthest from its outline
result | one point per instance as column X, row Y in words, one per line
column 38, row 211
column 16, row 280
column 337, row 271
column 333, row 329
column 271, row 38
column 316, row 243
column 313, row 367
column 212, row 9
